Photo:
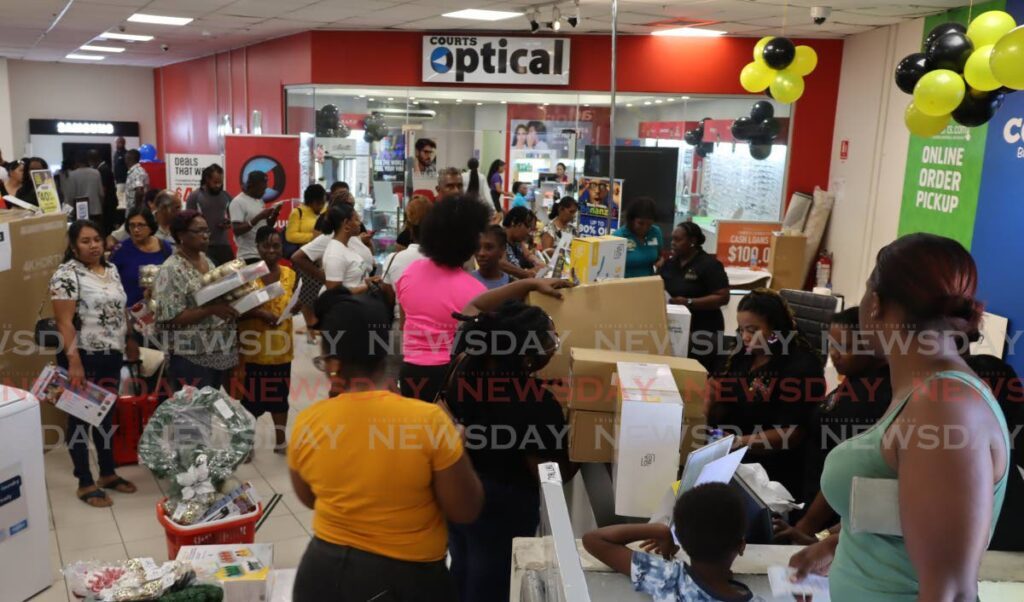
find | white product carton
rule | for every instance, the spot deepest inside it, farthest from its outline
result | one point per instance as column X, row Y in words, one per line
column 679, row 318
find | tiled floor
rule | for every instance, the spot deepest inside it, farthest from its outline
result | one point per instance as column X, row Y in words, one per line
column 129, row 529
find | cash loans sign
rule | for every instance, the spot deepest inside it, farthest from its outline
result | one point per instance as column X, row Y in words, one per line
column 496, row 60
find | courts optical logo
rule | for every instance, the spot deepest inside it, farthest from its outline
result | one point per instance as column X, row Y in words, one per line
column 495, row 60
column 275, row 175
column 1013, row 133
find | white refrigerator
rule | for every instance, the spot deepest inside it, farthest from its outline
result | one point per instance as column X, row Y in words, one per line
column 24, row 525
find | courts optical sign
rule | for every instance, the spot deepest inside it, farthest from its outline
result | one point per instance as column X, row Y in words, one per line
column 495, row 60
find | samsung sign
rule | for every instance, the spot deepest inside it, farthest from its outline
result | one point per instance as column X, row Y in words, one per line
column 496, row 60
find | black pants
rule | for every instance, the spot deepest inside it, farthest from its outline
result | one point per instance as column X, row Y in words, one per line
column 181, row 371
column 482, row 551
column 344, row 574
column 421, row 382
column 102, row 369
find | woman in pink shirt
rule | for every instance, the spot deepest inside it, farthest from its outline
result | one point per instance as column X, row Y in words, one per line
column 431, row 289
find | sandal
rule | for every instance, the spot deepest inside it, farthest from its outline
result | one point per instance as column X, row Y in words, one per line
column 96, row 498
column 119, row 485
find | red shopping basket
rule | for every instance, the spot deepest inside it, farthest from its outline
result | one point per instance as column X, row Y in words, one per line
column 237, row 529
column 131, row 413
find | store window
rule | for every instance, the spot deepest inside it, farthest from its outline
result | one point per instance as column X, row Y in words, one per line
column 390, row 143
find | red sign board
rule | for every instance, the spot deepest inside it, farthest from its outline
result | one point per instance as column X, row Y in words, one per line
column 745, row 244
column 844, row 150
column 277, row 156
column 663, row 130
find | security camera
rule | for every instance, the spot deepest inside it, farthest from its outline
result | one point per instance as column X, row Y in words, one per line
column 164, row 47
column 820, row 14
column 121, row 28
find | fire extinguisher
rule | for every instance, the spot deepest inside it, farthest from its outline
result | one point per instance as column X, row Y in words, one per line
column 823, row 270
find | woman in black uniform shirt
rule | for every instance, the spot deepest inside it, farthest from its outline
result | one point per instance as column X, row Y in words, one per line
column 697, row 280
column 769, row 389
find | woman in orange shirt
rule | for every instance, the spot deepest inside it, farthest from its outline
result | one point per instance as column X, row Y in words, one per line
column 384, row 474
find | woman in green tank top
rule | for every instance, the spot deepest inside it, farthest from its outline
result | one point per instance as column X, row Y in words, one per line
column 943, row 438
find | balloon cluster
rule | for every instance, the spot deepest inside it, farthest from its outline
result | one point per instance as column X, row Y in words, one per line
column 374, row 127
column 759, row 129
column 695, row 137
column 963, row 73
column 779, row 67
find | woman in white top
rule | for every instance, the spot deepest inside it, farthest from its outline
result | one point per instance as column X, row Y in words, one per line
column 89, row 307
column 343, row 266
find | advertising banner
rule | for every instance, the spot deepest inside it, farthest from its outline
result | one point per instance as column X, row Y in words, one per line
column 277, row 156
column 598, row 204
column 46, row 191
column 746, row 244
column 185, row 172
column 940, row 188
column 495, row 60
column 663, row 130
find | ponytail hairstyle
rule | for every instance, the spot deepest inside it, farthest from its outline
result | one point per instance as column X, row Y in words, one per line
column 474, row 176
column 934, row 279
column 775, row 311
column 336, row 216
column 563, row 203
column 694, row 232
column 508, row 343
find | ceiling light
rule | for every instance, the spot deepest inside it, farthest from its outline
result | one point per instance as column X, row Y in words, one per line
column 688, row 32
column 390, row 98
column 412, row 98
column 670, row 100
column 574, row 20
column 160, row 19
column 532, row 17
column 437, row 102
column 371, row 98
column 504, row 102
column 556, row 19
column 684, row 98
column 102, row 48
column 658, row 102
column 629, row 104
column 458, row 100
column 479, row 104
column 477, row 14
column 131, row 37
column 85, row 57
column 647, row 102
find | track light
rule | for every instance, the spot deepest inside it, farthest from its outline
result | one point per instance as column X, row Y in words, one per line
column 574, row 20
column 532, row 17
column 556, row 19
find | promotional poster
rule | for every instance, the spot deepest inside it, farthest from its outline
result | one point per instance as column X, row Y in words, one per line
column 277, row 156
column 185, row 172
column 599, row 207
column 46, row 191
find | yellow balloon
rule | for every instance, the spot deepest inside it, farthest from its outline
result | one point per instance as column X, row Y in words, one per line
column 939, row 92
column 1007, row 60
column 924, row 125
column 787, row 87
column 978, row 72
column 756, row 76
column 988, row 27
column 759, row 48
column 804, row 62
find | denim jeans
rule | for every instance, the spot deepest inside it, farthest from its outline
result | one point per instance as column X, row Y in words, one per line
column 103, row 369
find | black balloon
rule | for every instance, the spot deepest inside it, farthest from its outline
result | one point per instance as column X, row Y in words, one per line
column 779, row 53
column 768, row 129
column 911, row 69
column 950, row 51
column 762, row 110
column 705, row 148
column 977, row 110
column 693, row 137
column 940, row 30
column 760, row 151
column 743, row 128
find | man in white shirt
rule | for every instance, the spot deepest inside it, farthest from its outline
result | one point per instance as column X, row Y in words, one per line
column 247, row 212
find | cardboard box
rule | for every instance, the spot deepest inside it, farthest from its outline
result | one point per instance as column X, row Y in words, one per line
column 31, row 248
column 787, row 263
column 593, row 384
column 258, row 298
column 243, row 570
column 648, row 430
column 592, row 436
column 679, row 318
column 621, row 315
column 228, row 283
column 597, row 258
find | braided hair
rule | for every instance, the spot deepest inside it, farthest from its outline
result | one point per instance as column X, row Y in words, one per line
column 773, row 309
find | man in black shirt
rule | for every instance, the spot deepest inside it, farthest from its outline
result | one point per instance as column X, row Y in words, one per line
column 120, row 163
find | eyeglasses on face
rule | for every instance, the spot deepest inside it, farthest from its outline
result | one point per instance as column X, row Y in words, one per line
column 199, row 231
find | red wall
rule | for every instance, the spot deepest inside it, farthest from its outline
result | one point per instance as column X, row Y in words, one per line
column 190, row 95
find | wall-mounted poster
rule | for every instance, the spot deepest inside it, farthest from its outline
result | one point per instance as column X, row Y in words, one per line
column 599, row 206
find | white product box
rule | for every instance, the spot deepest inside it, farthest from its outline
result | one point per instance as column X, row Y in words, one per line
column 679, row 318
column 230, row 282
column 258, row 298
column 243, row 570
column 648, row 428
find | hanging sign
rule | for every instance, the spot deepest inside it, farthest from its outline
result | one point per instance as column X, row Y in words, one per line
column 495, row 60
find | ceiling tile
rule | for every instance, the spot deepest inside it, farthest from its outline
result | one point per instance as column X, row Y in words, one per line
column 329, row 11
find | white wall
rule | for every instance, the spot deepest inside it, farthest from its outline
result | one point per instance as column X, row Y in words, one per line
column 40, row 90
column 6, row 125
column 868, row 185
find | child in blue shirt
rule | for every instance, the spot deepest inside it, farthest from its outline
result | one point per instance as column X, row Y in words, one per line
column 709, row 522
column 519, row 200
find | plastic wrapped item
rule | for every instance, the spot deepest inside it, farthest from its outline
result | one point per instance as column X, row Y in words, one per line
column 197, row 435
column 226, row 278
column 147, row 275
column 126, row 581
column 771, row 492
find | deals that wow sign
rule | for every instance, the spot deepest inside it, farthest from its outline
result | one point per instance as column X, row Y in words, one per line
column 185, row 172
column 495, row 60
column 745, row 244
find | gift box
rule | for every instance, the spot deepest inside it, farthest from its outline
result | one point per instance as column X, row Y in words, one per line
column 596, row 258
column 243, row 570
column 679, row 318
column 228, row 277
column 258, row 297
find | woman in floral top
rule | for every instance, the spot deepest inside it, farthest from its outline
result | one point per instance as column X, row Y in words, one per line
column 87, row 290
column 201, row 341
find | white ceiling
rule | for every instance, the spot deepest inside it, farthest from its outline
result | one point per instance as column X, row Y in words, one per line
column 31, row 30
